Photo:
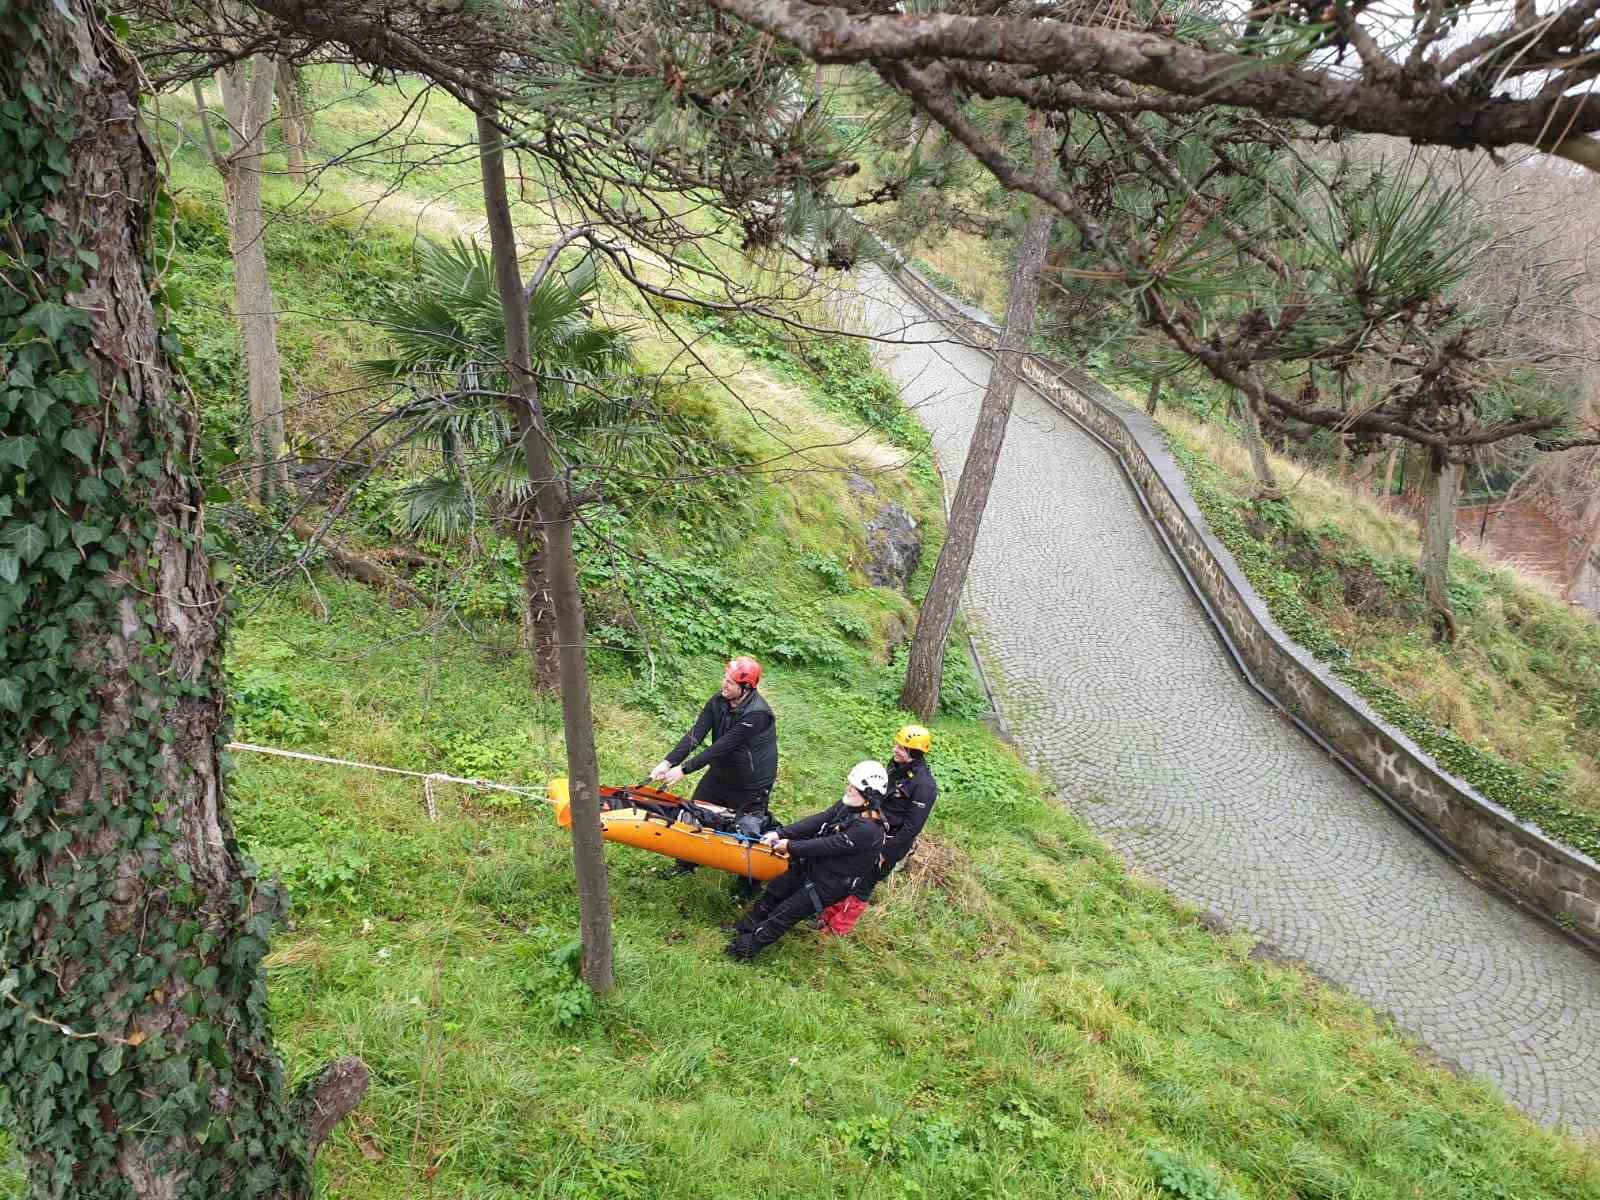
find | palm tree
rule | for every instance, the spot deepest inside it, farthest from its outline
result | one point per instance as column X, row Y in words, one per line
column 448, row 335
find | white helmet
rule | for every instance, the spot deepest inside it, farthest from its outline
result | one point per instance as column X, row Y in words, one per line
column 870, row 778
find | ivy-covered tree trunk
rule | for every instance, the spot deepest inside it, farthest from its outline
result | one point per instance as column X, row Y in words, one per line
column 553, row 503
column 925, row 660
column 135, row 1054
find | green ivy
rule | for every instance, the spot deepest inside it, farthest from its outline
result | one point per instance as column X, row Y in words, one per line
column 94, row 486
column 1537, row 797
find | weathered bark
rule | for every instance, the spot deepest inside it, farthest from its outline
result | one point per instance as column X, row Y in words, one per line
column 925, row 662
column 139, row 1058
column 553, row 503
column 1444, row 486
column 1260, row 464
column 293, row 119
column 247, row 89
column 539, row 634
column 1153, row 398
column 1588, row 541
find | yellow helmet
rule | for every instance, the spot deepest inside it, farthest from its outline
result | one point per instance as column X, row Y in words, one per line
column 914, row 737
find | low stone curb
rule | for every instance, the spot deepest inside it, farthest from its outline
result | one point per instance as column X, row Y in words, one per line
column 1560, row 883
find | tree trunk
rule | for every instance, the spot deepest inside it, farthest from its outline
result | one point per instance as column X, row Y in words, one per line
column 925, row 664
column 247, row 89
column 1388, row 472
column 1444, row 479
column 1260, row 464
column 138, row 1056
column 539, row 635
column 1588, row 540
column 553, row 504
column 294, row 118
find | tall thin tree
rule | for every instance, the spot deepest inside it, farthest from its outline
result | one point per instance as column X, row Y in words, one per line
column 925, row 663
column 247, row 89
column 553, row 502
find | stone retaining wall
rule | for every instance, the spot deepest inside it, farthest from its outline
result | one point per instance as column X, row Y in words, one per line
column 1555, row 879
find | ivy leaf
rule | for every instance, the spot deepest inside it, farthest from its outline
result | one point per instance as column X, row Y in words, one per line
column 110, row 1059
column 10, row 565
column 18, row 451
column 10, row 695
column 62, row 562
column 79, row 443
column 52, row 319
column 77, row 388
column 52, row 638
column 30, row 542
column 39, row 403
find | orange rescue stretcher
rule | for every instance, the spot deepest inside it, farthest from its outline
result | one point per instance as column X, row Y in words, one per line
column 652, row 819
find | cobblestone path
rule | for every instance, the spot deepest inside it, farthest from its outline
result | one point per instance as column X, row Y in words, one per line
column 1119, row 692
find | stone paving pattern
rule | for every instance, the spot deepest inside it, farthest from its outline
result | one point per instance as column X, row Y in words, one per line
column 1119, row 692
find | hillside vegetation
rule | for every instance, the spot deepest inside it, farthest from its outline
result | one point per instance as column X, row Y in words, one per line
column 1513, row 705
column 1015, row 1016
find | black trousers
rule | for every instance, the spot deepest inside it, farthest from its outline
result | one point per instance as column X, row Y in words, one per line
column 788, row 900
column 892, row 860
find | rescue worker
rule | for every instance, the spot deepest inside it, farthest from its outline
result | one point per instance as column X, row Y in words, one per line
column 832, row 854
column 742, row 759
column 741, row 762
column 912, row 791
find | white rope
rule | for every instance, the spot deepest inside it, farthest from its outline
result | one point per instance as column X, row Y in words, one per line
column 428, row 777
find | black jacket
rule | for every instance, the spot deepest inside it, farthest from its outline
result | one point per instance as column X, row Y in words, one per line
column 836, row 849
column 912, row 791
column 743, row 755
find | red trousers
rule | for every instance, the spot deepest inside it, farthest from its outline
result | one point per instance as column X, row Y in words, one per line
column 840, row 917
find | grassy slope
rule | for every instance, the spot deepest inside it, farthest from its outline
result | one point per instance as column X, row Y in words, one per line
column 1016, row 1018
column 1019, row 1018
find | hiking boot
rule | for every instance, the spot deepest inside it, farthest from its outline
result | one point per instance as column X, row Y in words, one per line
column 683, row 868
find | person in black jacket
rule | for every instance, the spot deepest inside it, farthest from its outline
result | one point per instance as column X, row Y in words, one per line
column 831, row 854
column 742, row 760
column 912, row 791
column 906, row 806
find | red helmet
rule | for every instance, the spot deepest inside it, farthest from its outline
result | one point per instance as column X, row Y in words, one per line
column 743, row 670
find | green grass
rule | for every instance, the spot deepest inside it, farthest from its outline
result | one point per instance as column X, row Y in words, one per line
column 1019, row 1018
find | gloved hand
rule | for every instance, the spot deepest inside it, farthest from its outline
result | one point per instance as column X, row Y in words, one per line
column 770, row 837
column 660, row 772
